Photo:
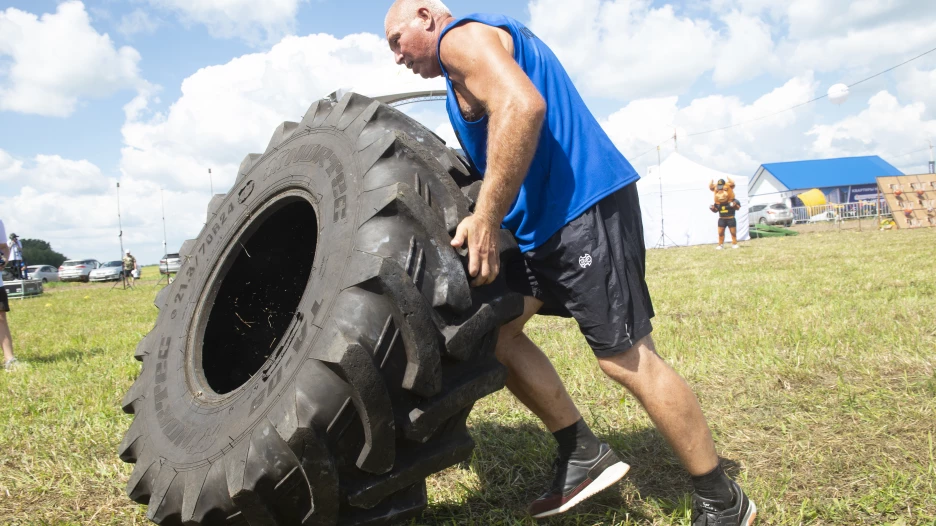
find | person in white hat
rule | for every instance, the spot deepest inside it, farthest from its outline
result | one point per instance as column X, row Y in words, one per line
column 129, row 266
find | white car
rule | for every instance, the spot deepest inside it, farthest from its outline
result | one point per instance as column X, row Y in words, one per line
column 825, row 216
column 109, row 271
column 170, row 264
column 77, row 269
column 771, row 214
column 44, row 273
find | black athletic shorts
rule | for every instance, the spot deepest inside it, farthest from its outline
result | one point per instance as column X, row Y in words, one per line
column 592, row 270
column 727, row 221
column 4, row 300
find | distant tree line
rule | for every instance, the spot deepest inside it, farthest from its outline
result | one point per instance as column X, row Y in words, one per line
column 39, row 252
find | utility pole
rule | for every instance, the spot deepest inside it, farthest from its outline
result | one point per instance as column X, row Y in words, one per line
column 210, row 182
column 119, row 224
column 660, row 175
column 675, row 142
column 163, row 204
column 932, row 165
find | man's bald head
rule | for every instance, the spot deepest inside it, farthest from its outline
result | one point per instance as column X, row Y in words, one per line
column 404, row 9
column 413, row 30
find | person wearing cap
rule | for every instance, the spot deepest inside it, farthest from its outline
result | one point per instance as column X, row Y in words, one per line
column 16, row 263
column 129, row 265
column 6, row 338
column 725, row 206
column 553, row 178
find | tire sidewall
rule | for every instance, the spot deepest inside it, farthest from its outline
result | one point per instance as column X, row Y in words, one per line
column 187, row 422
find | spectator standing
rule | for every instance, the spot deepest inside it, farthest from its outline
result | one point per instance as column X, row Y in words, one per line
column 129, row 266
column 6, row 339
column 17, row 264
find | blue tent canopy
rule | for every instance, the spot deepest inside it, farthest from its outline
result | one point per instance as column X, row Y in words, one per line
column 826, row 173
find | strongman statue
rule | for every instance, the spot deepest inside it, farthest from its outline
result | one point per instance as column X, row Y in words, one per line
column 725, row 205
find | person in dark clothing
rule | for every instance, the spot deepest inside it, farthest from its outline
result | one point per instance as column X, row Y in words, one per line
column 6, row 338
column 16, row 264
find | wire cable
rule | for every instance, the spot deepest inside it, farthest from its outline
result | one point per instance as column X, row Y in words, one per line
column 908, row 153
column 696, row 134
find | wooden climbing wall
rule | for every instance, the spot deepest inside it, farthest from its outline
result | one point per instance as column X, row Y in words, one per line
column 911, row 198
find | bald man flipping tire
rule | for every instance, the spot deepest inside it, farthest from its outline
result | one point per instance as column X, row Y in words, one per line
column 556, row 181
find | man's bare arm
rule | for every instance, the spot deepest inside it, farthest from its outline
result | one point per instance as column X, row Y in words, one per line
column 478, row 62
column 476, row 58
column 5, row 251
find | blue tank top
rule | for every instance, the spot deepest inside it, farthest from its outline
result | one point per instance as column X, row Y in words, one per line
column 575, row 164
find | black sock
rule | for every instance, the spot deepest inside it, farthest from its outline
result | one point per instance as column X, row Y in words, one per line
column 715, row 486
column 577, row 442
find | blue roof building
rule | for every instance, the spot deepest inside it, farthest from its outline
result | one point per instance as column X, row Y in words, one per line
column 843, row 180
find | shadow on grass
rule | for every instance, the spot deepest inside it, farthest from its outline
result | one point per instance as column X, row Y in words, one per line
column 66, row 355
column 513, row 465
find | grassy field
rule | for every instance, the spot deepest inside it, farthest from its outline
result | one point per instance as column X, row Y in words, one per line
column 813, row 358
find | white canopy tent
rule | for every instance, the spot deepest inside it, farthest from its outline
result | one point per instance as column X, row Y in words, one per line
column 675, row 199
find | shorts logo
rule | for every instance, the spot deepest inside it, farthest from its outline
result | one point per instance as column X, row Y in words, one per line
column 585, row 261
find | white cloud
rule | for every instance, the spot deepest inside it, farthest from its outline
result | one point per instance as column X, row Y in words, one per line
column 10, row 168
column 138, row 21
column 71, row 205
column 249, row 20
column 625, row 49
column 447, row 133
column 86, row 226
column 885, row 128
column 866, row 50
column 230, row 110
column 831, row 35
column 917, row 85
column 59, row 59
column 66, row 176
column 52, row 173
column 746, row 53
column 809, row 19
column 638, row 127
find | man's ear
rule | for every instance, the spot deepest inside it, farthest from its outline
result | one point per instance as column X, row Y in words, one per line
column 426, row 17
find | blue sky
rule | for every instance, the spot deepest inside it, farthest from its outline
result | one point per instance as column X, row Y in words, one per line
column 171, row 52
column 153, row 92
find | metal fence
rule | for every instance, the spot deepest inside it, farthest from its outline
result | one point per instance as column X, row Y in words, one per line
column 839, row 212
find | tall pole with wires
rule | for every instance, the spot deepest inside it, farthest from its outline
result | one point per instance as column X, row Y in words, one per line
column 932, row 164
column 795, row 106
column 163, row 204
column 119, row 224
column 660, row 177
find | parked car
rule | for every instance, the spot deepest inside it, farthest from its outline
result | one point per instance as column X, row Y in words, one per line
column 170, row 264
column 828, row 215
column 45, row 273
column 772, row 214
column 77, row 269
column 109, row 271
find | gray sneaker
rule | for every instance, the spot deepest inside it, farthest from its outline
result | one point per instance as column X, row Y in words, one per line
column 10, row 364
column 741, row 513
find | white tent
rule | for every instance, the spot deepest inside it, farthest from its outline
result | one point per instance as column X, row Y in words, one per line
column 681, row 215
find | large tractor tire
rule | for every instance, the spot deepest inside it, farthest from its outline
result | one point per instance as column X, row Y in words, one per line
column 320, row 349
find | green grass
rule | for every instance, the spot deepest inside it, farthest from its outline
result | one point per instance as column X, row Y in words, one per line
column 813, row 357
